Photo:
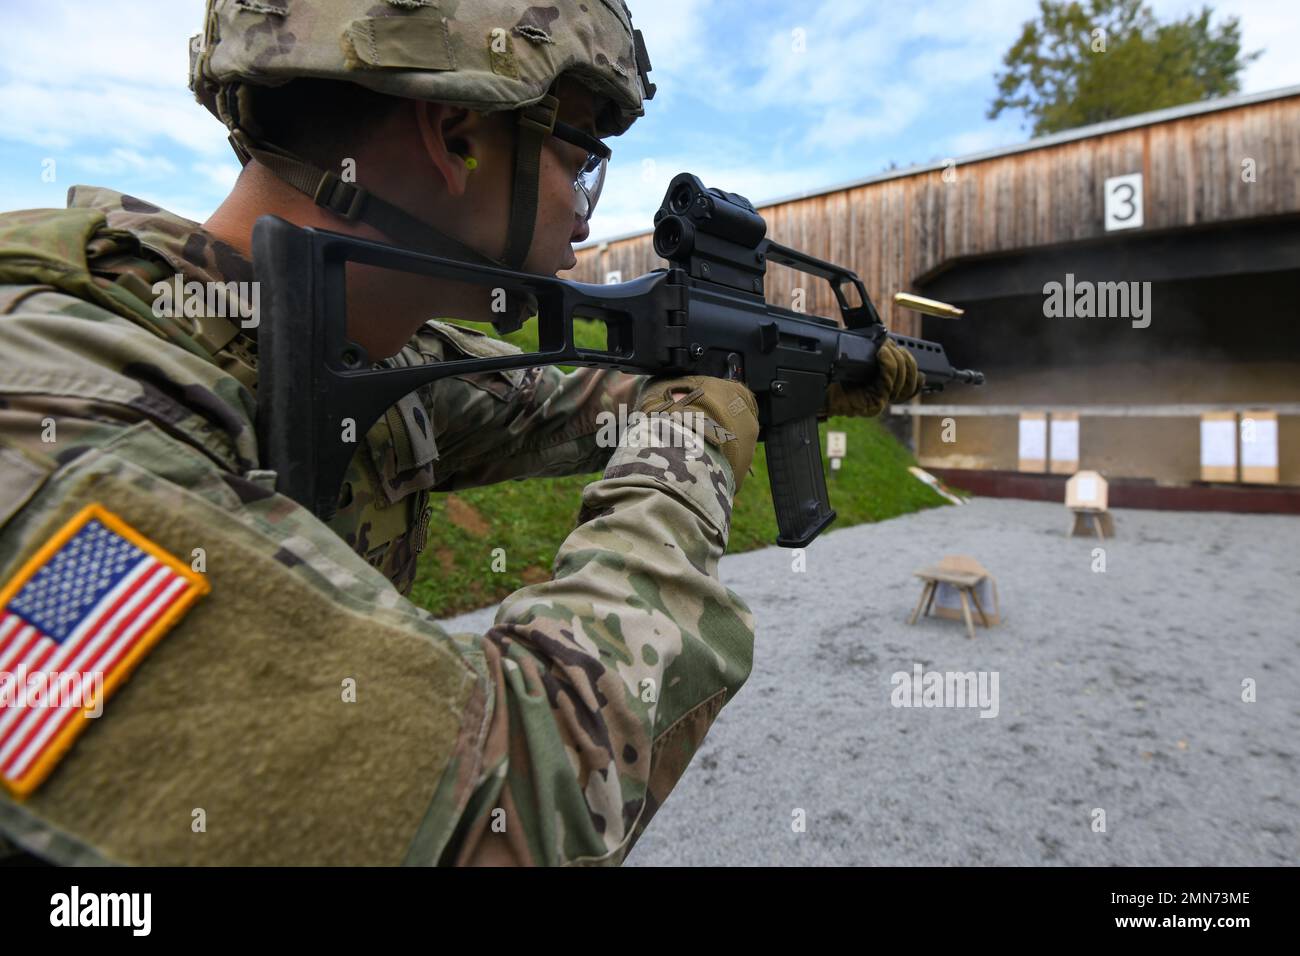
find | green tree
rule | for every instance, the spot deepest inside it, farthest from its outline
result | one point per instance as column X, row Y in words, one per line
column 1082, row 63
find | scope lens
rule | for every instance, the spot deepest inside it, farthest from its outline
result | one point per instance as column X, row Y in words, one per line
column 681, row 200
column 668, row 236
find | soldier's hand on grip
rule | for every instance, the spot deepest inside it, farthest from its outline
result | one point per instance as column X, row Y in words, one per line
column 729, row 413
column 897, row 380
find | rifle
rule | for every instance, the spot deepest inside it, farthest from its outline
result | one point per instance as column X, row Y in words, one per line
column 704, row 315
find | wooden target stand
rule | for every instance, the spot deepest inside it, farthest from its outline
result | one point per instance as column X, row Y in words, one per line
column 966, row 576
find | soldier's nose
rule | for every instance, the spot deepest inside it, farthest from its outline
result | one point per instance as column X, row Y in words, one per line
column 581, row 229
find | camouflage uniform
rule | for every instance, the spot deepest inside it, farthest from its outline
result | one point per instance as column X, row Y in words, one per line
column 552, row 739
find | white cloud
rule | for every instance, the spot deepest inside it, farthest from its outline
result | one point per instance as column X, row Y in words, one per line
column 829, row 68
column 75, row 72
column 991, row 24
column 31, row 192
column 120, row 161
column 693, row 52
column 676, row 37
column 867, row 73
column 982, row 138
column 135, row 117
column 1269, row 25
column 101, row 88
column 221, row 175
column 185, row 205
column 871, row 70
column 72, row 43
column 886, row 113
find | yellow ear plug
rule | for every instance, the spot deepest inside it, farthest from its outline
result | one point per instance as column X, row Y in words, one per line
column 471, row 163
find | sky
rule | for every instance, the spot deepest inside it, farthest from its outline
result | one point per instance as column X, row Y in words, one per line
column 763, row 98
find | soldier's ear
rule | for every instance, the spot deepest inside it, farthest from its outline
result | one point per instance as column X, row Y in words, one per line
column 450, row 135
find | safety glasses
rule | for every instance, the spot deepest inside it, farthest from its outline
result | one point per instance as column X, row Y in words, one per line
column 591, row 177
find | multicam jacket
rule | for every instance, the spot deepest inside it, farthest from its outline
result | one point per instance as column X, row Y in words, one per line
column 303, row 711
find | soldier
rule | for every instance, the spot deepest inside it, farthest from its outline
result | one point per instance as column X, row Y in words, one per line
column 287, row 704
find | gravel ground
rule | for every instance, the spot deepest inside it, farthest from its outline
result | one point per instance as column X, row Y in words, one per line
column 1119, row 690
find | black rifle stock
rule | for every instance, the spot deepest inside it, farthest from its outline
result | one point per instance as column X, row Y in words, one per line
column 319, row 393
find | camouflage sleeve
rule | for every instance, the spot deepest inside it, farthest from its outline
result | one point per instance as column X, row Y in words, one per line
column 613, row 671
column 519, row 424
column 303, row 711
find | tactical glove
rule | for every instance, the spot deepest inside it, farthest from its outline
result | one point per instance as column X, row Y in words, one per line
column 728, row 410
column 897, row 379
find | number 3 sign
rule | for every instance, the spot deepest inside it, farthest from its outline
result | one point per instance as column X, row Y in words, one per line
column 1124, row 202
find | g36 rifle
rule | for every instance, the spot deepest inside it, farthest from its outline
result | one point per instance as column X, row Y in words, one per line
column 705, row 314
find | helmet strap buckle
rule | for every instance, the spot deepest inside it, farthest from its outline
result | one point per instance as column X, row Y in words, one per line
column 342, row 199
column 238, row 144
column 541, row 116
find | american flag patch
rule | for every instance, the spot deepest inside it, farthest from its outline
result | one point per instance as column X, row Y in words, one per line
column 74, row 622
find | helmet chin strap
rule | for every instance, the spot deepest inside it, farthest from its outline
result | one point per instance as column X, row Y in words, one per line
column 356, row 204
column 534, row 124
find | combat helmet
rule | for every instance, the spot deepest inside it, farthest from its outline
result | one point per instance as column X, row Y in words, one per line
column 485, row 55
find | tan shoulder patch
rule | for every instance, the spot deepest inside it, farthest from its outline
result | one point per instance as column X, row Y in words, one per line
column 75, row 620
column 293, row 717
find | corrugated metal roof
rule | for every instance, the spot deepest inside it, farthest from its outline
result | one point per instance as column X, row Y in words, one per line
column 1043, row 142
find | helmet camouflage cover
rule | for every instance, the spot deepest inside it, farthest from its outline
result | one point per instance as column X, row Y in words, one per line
column 485, row 55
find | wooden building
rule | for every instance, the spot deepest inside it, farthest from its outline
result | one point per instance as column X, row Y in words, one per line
column 1185, row 221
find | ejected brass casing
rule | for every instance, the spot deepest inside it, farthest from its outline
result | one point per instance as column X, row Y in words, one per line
column 929, row 306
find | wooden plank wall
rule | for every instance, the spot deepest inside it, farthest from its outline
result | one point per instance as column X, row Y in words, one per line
column 893, row 231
